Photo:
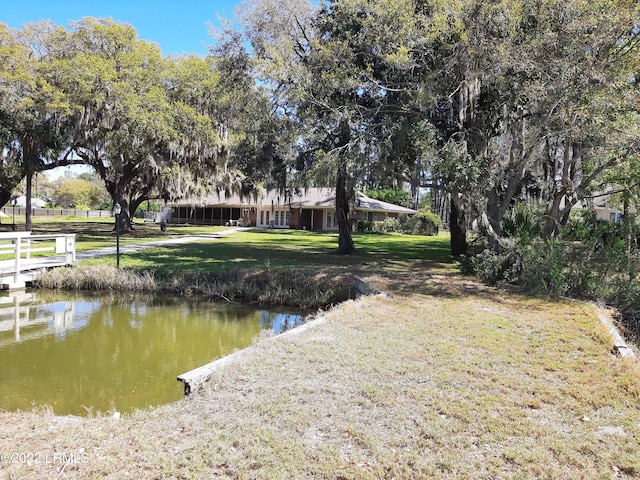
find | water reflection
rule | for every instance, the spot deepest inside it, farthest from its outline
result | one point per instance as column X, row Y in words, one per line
column 78, row 353
column 279, row 322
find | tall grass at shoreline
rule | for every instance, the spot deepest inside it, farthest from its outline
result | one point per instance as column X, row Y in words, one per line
column 96, row 277
column 304, row 289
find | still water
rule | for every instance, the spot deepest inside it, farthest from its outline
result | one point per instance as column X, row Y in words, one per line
column 79, row 353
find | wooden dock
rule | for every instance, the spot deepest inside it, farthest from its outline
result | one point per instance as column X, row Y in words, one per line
column 23, row 256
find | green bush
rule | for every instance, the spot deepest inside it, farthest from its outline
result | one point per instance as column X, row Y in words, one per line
column 544, row 268
column 591, row 260
column 522, row 222
column 365, row 226
column 495, row 268
column 387, row 225
column 423, row 223
column 539, row 267
column 428, row 223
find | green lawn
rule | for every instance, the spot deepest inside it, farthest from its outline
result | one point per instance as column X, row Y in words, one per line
column 287, row 249
column 254, row 248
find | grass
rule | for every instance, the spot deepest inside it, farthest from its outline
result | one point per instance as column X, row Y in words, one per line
column 302, row 289
column 441, row 378
column 287, row 249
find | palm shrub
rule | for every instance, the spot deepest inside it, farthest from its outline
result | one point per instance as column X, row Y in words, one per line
column 523, row 222
column 506, row 265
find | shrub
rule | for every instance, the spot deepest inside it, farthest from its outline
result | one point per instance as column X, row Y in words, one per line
column 428, row 223
column 544, row 268
column 365, row 226
column 423, row 223
column 592, row 260
column 495, row 268
column 522, row 222
column 387, row 225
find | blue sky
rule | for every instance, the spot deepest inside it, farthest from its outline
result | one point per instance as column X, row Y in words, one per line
column 178, row 26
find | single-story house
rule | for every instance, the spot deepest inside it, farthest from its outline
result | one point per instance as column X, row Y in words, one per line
column 607, row 210
column 604, row 207
column 21, row 201
column 308, row 209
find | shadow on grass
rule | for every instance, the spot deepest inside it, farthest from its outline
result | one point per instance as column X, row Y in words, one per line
column 401, row 264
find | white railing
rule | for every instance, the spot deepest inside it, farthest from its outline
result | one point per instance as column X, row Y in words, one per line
column 50, row 250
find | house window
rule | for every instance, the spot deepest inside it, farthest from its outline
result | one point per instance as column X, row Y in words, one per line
column 331, row 220
column 281, row 218
column 261, row 217
column 370, row 216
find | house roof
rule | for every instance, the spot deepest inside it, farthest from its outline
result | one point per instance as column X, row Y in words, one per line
column 21, row 201
column 368, row 204
column 322, row 198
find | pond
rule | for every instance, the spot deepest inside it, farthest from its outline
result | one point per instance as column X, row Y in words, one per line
column 80, row 353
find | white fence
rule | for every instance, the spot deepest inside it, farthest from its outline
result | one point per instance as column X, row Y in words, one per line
column 50, row 250
column 54, row 212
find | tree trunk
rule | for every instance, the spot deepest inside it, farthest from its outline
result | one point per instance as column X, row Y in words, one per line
column 124, row 219
column 553, row 214
column 458, row 229
column 29, row 179
column 345, row 239
column 135, row 204
column 29, row 159
column 5, row 195
column 627, row 223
